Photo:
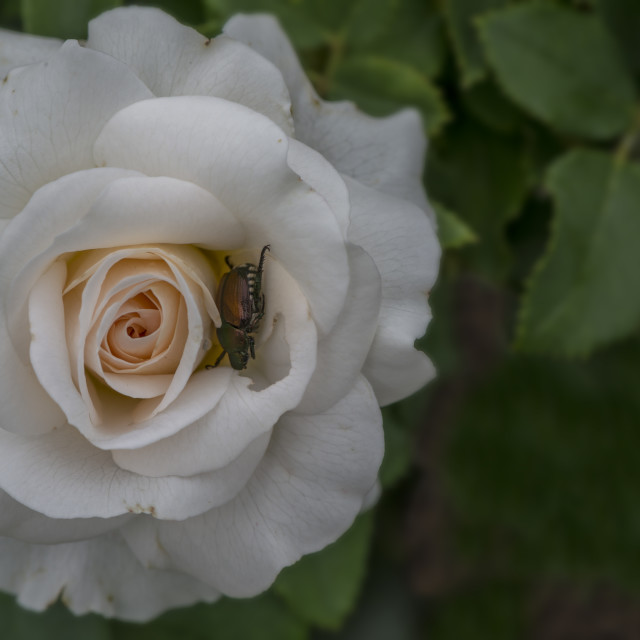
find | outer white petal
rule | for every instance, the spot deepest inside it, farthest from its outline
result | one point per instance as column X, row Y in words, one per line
column 61, row 475
column 18, row 49
column 48, row 349
column 241, row 157
column 144, row 210
column 384, row 153
column 78, row 212
column 403, row 244
column 25, row 407
column 174, row 60
column 100, row 575
column 21, row 523
column 320, row 175
column 200, row 396
column 244, row 412
column 342, row 353
column 306, row 492
column 50, row 115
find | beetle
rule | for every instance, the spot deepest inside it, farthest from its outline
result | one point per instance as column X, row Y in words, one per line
column 241, row 303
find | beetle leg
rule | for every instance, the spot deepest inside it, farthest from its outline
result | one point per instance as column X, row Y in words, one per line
column 252, row 346
column 217, row 362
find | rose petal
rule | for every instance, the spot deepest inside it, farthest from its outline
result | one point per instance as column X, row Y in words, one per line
column 50, row 357
column 243, row 413
column 174, row 60
column 402, row 242
column 17, row 521
column 18, row 49
column 117, row 276
column 385, row 153
column 201, row 394
column 50, row 115
column 94, row 322
column 144, row 210
column 321, row 176
column 100, row 575
column 17, row 382
column 62, row 475
column 67, row 215
column 342, row 353
column 49, row 213
column 306, row 492
column 48, row 351
column 241, row 157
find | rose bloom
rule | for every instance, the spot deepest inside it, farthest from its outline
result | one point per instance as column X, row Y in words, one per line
column 134, row 475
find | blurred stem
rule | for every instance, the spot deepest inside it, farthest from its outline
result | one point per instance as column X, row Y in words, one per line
column 628, row 141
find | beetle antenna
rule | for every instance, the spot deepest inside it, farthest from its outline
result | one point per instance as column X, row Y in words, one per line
column 226, row 259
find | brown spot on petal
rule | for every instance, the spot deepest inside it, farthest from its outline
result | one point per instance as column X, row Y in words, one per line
column 138, row 508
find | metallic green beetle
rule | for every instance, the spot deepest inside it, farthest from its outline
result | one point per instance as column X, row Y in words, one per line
column 241, row 303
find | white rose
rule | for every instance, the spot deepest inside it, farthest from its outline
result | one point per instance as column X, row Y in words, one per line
column 133, row 478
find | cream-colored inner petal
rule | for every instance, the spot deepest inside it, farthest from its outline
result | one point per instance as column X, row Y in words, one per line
column 140, row 321
column 144, row 334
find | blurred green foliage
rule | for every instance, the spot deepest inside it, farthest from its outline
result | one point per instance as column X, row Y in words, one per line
column 515, row 470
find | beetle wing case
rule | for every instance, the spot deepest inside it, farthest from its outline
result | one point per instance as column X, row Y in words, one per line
column 233, row 299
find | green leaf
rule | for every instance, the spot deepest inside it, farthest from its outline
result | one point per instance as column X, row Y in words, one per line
column 368, row 20
column 413, row 35
column 452, row 232
column 381, row 85
column 487, row 103
column 322, row 588
column 482, row 176
column 56, row 623
column 62, row 18
column 582, row 293
column 261, row 618
column 542, row 470
column 562, row 67
column 461, row 16
column 10, row 14
column 623, row 19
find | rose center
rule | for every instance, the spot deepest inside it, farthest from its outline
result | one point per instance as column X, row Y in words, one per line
column 137, row 320
column 134, row 334
column 135, row 330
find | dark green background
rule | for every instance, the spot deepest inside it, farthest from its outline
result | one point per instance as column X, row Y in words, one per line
column 511, row 505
